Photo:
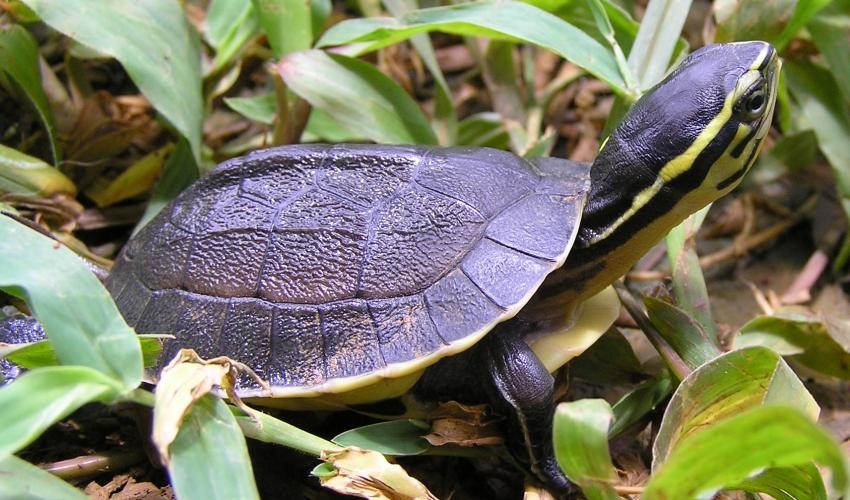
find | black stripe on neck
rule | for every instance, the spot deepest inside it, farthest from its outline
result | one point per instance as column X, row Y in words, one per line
column 663, row 201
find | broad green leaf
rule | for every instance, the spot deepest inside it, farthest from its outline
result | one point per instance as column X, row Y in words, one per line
column 287, row 24
column 209, row 458
column 752, row 19
column 394, row 437
column 581, row 446
column 502, row 20
column 75, row 309
column 22, row 480
column 179, row 171
column 822, row 345
column 152, row 40
column 728, row 452
column 724, row 387
column 260, row 108
column 682, row 332
column 321, row 126
column 638, row 403
column 359, row 96
column 656, row 40
column 830, row 31
column 19, row 61
column 787, row 483
column 24, row 175
column 231, row 24
column 38, row 399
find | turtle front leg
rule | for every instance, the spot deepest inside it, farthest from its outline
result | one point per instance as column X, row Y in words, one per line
column 504, row 372
column 520, row 388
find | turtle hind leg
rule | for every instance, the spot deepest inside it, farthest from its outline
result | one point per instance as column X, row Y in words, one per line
column 520, row 388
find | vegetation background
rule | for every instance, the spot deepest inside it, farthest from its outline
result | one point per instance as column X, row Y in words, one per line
column 111, row 108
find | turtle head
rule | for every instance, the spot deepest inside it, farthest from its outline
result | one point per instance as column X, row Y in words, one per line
column 686, row 142
column 705, row 122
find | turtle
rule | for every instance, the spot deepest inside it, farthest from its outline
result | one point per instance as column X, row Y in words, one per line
column 351, row 273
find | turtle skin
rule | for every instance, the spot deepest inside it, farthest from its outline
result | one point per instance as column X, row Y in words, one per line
column 314, row 263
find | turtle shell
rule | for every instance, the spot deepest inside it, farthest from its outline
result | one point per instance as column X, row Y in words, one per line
column 327, row 268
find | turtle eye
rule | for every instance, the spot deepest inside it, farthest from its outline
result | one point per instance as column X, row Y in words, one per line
column 753, row 104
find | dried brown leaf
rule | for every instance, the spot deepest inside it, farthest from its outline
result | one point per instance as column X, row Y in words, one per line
column 367, row 474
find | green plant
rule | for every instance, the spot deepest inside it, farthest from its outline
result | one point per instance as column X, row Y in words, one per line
column 323, row 84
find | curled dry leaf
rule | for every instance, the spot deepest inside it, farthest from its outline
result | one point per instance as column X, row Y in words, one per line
column 186, row 379
column 367, row 474
column 463, row 425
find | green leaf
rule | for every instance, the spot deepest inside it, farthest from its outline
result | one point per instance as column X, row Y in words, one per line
column 484, row 130
column 322, row 126
column 30, row 355
column 209, row 458
column 803, row 13
column 287, row 24
column 819, row 101
column 787, row 483
column 822, row 345
column 682, row 332
column 264, row 427
column 38, row 399
column 830, row 31
column 21, row 479
column 395, row 437
column 502, row 20
column 24, row 175
column 581, row 446
column 179, row 172
column 729, row 452
column 76, row 311
column 260, row 108
column 724, row 387
column 19, row 61
column 445, row 118
column 39, row 354
column 362, row 98
column 152, row 40
column 688, row 281
column 638, row 403
column 656, row 40
column 231, row 24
